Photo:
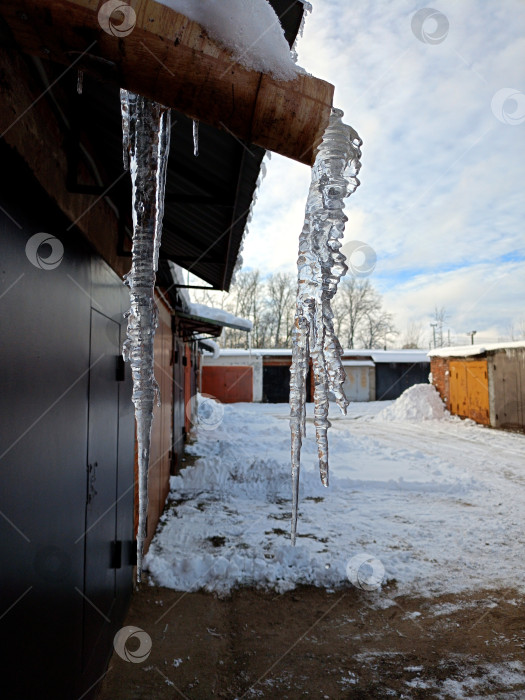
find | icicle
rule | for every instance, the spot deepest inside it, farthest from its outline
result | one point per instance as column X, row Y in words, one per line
column 320, row 267
column 124, row 110
column 146, row 138
column 80, row 81
column 195, row 137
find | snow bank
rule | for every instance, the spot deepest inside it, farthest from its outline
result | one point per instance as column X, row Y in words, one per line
column 250, row 29
column 419, row 402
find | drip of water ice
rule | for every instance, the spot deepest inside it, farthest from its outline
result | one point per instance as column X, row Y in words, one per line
column 320, row 266
column 146, row 140
column 195, row 137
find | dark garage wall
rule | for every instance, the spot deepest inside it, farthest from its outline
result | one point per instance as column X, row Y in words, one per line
column 66, row 451
column 393, row 378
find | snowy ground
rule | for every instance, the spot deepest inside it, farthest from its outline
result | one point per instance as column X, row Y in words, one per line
column 439, row 503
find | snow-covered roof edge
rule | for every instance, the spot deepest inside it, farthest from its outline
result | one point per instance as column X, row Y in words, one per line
column 250, row 29
column 222, row 317
column 211, row 346
column 378, row 356
column 209, row 313
column 471, row 350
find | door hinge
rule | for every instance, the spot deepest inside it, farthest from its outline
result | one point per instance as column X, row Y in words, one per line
column 116, row 554
column 121, row 369
column 174, row 461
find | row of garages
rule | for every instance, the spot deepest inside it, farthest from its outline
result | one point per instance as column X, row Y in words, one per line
column 264, row 375
column 485, row 383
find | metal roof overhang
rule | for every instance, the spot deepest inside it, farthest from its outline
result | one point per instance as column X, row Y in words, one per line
column 208, row 197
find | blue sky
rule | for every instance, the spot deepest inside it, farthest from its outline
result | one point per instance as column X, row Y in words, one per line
column 441, row 199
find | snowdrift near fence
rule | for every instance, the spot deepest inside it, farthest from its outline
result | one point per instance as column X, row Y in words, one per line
column 419, row 402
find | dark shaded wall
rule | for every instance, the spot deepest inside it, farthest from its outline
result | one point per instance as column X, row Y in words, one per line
column 66, row 449
column 276, row 382
column 393, row 378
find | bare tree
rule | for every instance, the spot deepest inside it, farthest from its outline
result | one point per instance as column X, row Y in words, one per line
column 413, row 336
column 280, row 292
column 377, row 330
column 270, row 305
column 358, row 301
column 516, row 331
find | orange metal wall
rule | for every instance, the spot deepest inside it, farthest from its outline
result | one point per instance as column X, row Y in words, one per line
column 187, row 388
column 469, row 390
column 228, row 384
column 161, row 433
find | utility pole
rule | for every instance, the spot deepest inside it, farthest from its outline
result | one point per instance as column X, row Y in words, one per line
column 434, row 325
column 472, row 334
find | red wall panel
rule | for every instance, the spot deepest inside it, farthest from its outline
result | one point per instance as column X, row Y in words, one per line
column 228, row 384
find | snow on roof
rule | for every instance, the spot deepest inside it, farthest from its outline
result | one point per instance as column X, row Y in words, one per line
column 201, row 310
column 358, row 363
column 210, row 346
column 250, row 29
column 470, row 350
column 396, row 356
column 378, row 356
column 225, row 317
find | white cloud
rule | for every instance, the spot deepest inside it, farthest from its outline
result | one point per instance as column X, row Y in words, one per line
column 441, row 195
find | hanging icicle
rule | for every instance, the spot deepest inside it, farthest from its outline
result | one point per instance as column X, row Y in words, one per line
column 146, row 140
column 195, row 137
column 320, row 267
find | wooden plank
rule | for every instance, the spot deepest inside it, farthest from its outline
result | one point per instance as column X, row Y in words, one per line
column 170, row 59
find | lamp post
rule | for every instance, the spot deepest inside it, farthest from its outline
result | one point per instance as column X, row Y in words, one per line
column 472, row 334
column 434, row 325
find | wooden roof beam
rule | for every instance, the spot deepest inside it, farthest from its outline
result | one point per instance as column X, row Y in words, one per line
column 172, row 60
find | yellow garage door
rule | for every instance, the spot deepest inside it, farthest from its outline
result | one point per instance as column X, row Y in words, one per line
column 469, row 391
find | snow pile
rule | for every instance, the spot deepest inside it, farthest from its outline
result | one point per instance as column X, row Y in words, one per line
column 419, row 402
column 250, row 29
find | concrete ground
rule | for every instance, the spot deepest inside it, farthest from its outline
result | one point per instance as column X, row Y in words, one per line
column 318, row 644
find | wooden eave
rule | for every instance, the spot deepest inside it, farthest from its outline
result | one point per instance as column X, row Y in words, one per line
column 171, row 59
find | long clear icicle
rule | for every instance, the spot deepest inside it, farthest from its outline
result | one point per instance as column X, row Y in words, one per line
column 146, row 139
column 320, row 266
column 195, row 137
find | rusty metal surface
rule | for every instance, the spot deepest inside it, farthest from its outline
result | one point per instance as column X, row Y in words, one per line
column 508, row 375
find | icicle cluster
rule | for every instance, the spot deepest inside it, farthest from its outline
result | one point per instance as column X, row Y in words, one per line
column 320, row 267
column 146, row 140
